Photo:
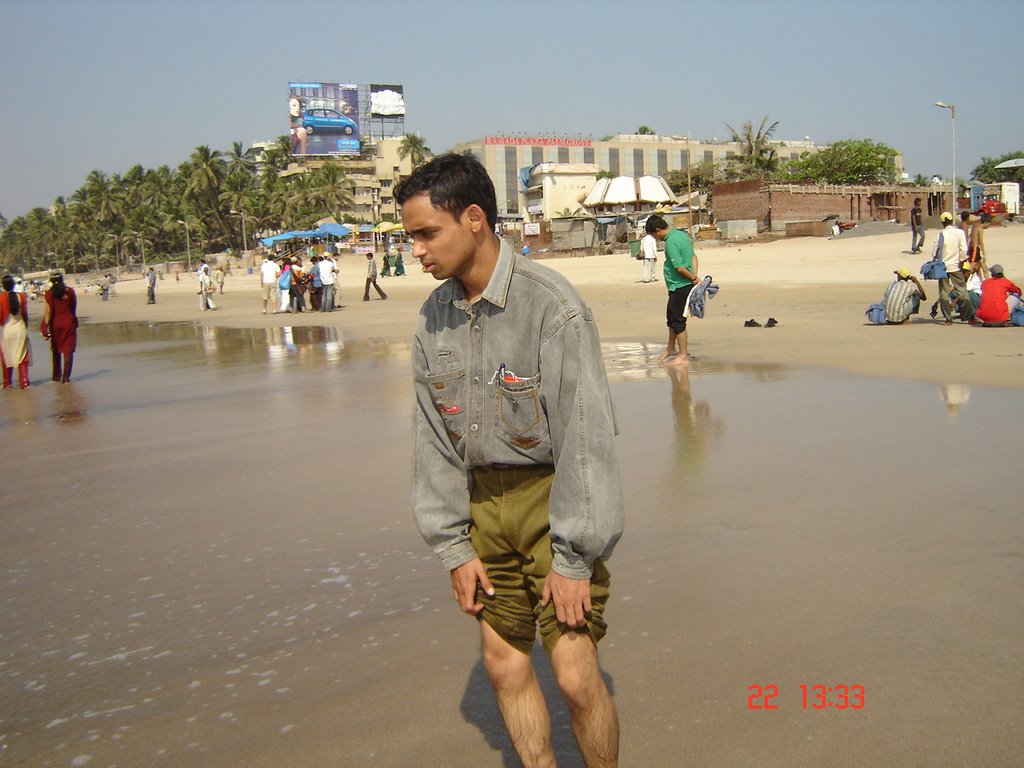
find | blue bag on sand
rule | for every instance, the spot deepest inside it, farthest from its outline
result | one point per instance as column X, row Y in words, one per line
column 876, row 313
column 1017, row 318
column 933, row 270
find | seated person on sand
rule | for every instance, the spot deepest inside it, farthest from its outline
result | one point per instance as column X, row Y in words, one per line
column 972, row 276
column 903, row 297
column 999, row 297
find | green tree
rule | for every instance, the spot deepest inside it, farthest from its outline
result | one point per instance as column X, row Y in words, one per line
column 986, row 170
column 645, row 130
column 850, row 161
column 757, row 157
column 330, row 189
column 415, row 149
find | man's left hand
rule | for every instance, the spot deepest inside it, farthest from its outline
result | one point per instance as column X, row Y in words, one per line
column 571, row 597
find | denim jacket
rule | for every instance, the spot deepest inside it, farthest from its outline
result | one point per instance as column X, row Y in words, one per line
column 515, row 378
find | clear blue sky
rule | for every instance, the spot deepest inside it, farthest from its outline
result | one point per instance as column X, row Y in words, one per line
column 107, row 84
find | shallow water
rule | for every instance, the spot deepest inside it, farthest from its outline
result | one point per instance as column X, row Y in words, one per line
column 209, row 559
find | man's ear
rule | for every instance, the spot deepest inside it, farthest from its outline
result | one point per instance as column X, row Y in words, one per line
column 475, row 216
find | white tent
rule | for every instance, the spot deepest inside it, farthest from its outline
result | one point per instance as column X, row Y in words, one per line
column 626, row 190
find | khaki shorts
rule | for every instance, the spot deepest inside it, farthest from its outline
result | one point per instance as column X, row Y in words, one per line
column 510, row 533
column 268, row 291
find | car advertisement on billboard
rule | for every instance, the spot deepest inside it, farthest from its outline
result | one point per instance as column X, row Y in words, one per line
column 387, row 101
column 324, row 118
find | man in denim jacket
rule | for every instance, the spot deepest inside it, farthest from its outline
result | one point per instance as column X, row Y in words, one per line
column 516, row 483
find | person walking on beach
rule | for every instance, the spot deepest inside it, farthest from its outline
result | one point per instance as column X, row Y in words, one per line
column 515, row 480
column 951, row 249
column 371, row 278
column 60, row 326
column 269, row 272
column 916, row 227
column 218, row 278
column 649, row 249
column 14, row 346
column 680, row 277
column 206, row 286
column 151, row 286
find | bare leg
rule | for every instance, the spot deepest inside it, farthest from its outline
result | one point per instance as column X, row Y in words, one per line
column 670, row 348
column 681, row 358
column 519, row 698
column 594, row 720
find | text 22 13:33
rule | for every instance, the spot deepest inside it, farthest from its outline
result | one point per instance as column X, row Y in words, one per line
column 812, row 696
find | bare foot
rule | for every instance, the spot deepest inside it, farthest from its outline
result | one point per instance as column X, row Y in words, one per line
column 679, row 360
column 665, row 356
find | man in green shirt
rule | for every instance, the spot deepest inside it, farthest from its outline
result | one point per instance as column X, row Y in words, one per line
column 680, row 277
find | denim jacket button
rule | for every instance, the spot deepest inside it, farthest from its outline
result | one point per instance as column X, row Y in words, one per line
column 476, row 379
column 474, row 428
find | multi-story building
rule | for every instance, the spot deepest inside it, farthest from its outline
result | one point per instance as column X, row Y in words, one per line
column 622, row 155
column 374, row 174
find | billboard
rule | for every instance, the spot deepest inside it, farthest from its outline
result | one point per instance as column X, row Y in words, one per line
column 324, row 119
column 387, row 101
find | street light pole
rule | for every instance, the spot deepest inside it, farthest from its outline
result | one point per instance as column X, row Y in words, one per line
column 952, row 114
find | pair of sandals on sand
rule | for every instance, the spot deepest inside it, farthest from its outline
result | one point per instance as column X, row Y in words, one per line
column 752, row 323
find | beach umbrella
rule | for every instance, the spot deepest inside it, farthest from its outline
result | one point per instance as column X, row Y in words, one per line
column 1017, row 162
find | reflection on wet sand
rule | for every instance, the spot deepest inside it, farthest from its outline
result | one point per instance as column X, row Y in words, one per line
column 694, row 424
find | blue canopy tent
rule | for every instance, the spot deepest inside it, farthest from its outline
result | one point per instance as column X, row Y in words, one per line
column 324, row 230
column 334, row 230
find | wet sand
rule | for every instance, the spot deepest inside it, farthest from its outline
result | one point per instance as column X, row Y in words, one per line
column 209, row 557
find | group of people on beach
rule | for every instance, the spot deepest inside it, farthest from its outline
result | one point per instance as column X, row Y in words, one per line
column 286, row 282
column 59, row 326
column 970, row 289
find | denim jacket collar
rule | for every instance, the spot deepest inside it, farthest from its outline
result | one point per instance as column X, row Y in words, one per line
column 496, row 291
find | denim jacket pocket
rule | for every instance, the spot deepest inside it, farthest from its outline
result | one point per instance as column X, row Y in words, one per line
column 448, row 391
column 519, row 417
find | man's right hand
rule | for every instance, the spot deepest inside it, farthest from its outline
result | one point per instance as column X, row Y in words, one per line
column 464, row 581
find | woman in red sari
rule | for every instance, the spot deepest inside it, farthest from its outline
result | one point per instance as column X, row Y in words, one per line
column 60, row 326
column 14, row 351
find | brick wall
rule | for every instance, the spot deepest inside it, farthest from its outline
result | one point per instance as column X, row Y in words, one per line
column 775, row 206
column 741, row 200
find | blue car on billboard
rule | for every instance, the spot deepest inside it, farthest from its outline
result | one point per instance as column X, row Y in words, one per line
column 327, row 121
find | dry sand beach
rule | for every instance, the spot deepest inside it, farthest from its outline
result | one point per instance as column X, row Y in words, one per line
column 209, row 557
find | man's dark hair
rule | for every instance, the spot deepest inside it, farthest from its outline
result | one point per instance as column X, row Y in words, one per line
column 965, row 215
column 454, row 182
column 917, row 201
column 654, row 223
column 985, row 217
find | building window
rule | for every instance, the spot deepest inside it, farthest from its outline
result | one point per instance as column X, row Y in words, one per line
column 613, row 161
column 662, row 162
column 709, row 156
column 588, row 155
column 684, row 158
column 563, row 154
column 638, row 162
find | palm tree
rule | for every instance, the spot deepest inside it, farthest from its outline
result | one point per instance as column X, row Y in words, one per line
column 757, row 156
column 415, row 149
column 331, row 188
column 645, row 130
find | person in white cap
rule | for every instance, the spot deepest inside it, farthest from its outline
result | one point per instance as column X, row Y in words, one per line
column 903, row 297
column 951, row 249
